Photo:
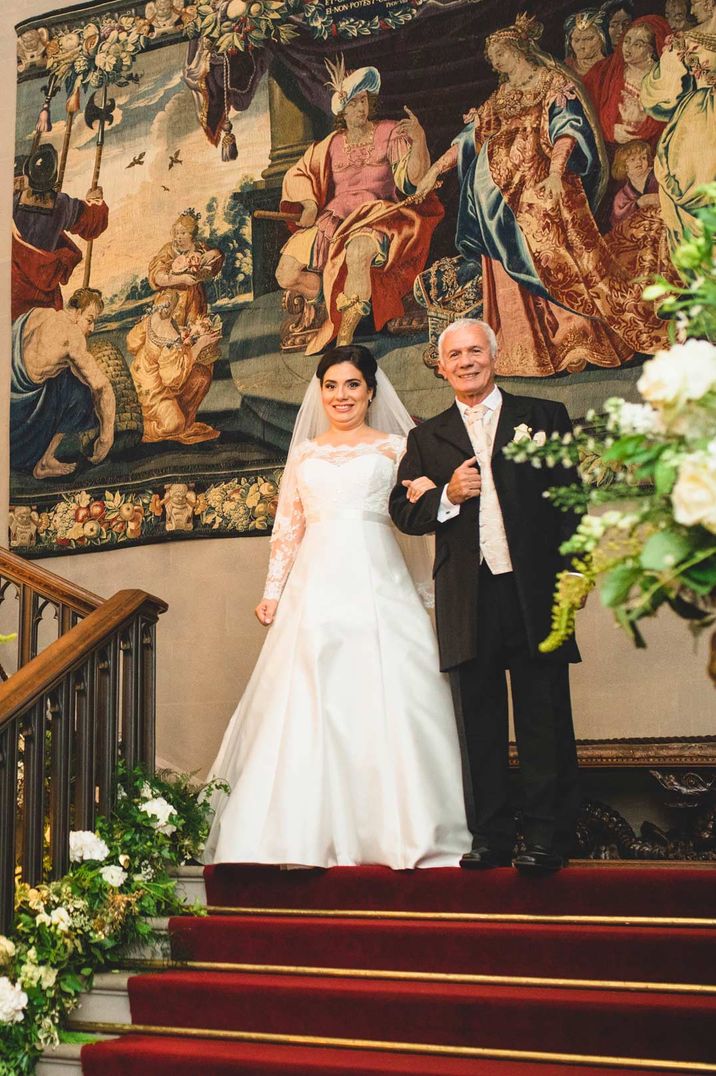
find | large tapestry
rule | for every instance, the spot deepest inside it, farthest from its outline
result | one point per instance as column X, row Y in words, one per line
column 208, row 194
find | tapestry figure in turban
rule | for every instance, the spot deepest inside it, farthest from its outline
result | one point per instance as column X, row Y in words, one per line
column 361, row 239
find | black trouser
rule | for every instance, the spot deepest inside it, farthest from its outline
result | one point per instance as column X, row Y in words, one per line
column 543, row 727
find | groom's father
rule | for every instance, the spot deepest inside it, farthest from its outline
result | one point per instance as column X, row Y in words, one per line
column 497, row 555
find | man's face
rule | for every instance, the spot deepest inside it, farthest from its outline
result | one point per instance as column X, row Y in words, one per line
column 86, row 318
column 676, row 12
column 356, row 111
column 466, row 363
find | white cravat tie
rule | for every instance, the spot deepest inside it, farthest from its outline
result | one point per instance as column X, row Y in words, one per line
column 475, row 418
column 493, row 540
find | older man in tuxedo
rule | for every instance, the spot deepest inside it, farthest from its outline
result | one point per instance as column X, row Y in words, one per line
column 497, row 555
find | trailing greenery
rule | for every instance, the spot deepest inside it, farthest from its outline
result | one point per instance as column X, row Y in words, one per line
column 66, row 931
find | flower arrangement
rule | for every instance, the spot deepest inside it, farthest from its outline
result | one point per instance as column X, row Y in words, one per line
column 67, row 930
column 650, row 467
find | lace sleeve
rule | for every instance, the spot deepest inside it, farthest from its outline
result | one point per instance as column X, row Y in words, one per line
column 288, row 530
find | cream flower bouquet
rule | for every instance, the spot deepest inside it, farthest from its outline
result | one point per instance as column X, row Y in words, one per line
column 645, row 473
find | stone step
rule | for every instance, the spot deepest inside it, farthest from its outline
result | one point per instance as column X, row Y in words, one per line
column 190, row 884
column 65, row 1059
column 106, row 1003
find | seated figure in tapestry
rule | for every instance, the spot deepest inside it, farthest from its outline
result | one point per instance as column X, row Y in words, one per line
column 532, row 168
column 57, row 386
column 172, row 370
column 43, row 255
column 585, row 40
column 680, row 92
column 361, row 239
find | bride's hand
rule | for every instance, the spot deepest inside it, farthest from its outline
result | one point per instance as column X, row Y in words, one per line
column 416, row 487
column 265, row 611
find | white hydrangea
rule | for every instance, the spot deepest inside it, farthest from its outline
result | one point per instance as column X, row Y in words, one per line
column 633, row 417
column 161, row 811
column 12, row 1001
column 87, row 845
column 7, row 950
column 684, row 372
column 694, row 492
column 114, row 875
column 34, row 974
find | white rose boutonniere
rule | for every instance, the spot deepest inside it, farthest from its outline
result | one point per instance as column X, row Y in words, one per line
column 114, row 875
column 523, row 432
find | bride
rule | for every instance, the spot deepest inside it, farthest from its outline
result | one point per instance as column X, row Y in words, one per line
column 343, row 749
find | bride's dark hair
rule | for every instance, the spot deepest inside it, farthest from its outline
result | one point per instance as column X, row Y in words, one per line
column 356, row 354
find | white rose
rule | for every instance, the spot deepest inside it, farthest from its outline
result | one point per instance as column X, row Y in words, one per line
column 12, row 1002
column 523, row 432
column 685, row 372
column 146, row 791
column 114, row 875
column 7, row 950
column 540, row 438
column 124, row 860
column 60, row 918
column 694, row 493
column 87, row 845
column 162, row 811
column 41, row 975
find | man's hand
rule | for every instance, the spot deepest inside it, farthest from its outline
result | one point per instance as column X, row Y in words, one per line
column 101, row 448
column 465, row 483
column 265, row 611
column 95, row 195
column 416, row 487
column 308, row 216
column 411, row 127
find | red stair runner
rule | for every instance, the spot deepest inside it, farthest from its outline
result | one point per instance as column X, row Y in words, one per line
column 669, row 1025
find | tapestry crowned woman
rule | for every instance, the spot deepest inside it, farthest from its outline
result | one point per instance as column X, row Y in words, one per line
column 531, row 165
column 184, row 264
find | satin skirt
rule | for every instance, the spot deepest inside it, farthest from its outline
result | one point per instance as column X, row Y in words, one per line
column 343, row 749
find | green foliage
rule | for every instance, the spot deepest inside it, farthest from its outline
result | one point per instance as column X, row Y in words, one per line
column 65, row 931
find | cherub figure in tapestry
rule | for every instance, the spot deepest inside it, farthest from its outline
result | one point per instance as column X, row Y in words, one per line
column 361, row 238
column 680, row 92
column 532, row 169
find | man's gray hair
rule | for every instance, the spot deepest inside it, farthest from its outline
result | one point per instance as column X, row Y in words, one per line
column 462, row 323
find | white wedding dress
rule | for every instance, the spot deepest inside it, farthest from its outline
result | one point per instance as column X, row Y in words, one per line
column 343, row 749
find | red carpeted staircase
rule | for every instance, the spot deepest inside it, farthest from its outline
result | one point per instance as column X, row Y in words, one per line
column 366, row 970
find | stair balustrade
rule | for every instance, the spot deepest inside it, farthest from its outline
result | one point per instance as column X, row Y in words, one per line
column 67, row 716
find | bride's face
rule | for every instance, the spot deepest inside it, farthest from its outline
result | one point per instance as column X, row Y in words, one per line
column 345, row 396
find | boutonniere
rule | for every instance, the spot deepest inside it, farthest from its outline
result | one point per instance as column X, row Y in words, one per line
column 523, row 432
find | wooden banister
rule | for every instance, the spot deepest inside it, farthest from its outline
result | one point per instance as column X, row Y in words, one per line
column 50, row 586
column 69, row 713
column 45, row 671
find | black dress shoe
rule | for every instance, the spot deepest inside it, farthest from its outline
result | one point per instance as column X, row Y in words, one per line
column 536, row 860
column 483, row 858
